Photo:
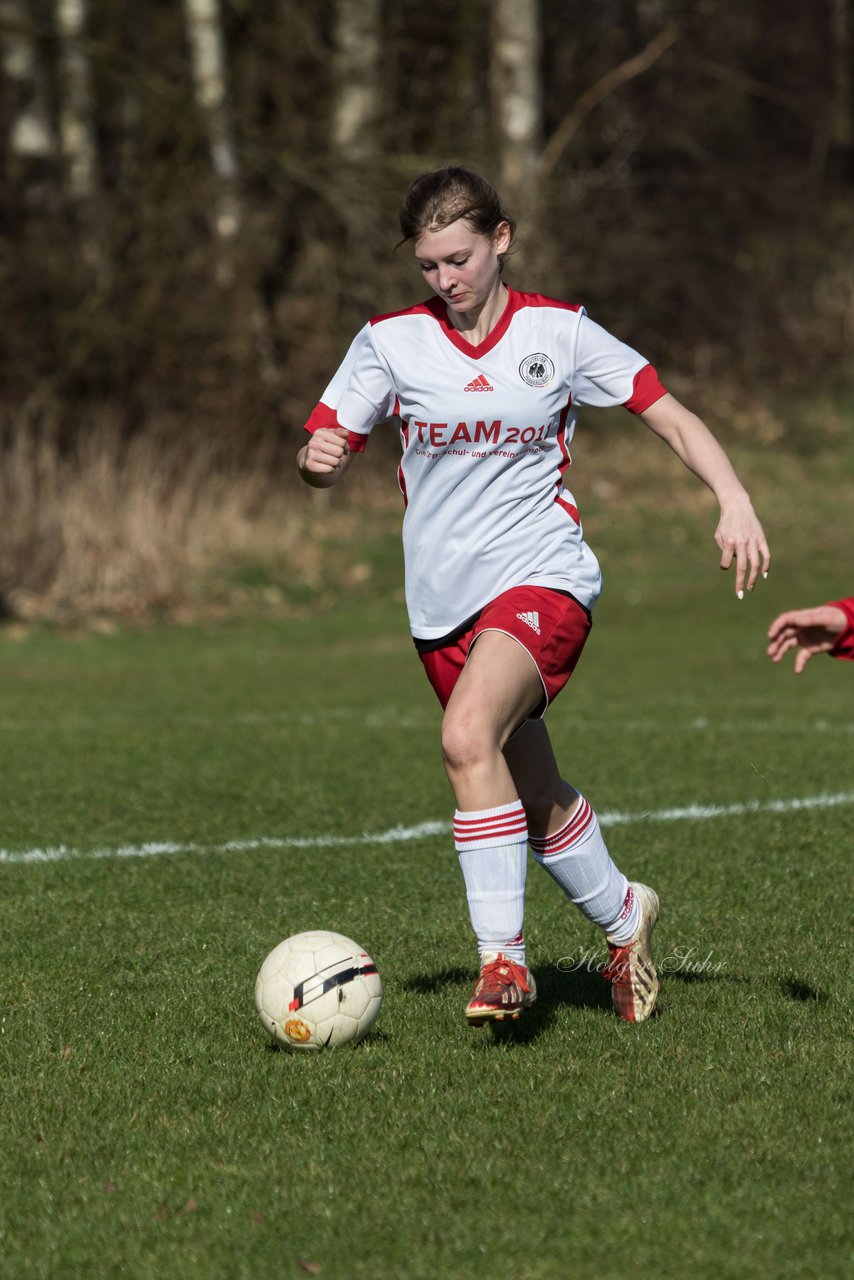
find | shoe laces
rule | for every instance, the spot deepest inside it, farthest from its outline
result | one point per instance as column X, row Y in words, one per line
column 505, row 972
column 619, row 966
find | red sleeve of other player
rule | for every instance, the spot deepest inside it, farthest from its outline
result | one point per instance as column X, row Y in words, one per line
column 646, row 389
column 323, row 416
column 844, row 647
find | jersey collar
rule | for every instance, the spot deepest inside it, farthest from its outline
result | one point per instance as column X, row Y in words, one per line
column 437, row 308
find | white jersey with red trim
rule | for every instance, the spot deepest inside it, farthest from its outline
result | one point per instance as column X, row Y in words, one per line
column 486, row 432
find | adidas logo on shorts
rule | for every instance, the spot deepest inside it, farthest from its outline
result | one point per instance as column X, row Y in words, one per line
column 532, row 619
column 480, row 383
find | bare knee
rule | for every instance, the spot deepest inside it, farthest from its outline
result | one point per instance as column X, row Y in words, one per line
column 467, row 743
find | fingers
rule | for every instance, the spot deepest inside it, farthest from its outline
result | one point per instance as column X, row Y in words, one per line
column 788, row 639
column 776, row 628
column 811, row 631
column 781, row 643
column 746, row 556
column 728, row 553
column 802, row 658
column 741, row 561
column 751, row 555
column 327, row 449
column 759, row 557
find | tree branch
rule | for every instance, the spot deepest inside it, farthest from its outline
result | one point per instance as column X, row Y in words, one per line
column 597, row 92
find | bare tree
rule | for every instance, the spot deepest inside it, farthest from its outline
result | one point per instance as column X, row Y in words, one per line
column 207, row 53
column 600, row 91
column 354, row 138
column 515, row 76
column 842, row 43
column 76, row 121
column 356, row 75
column 77, row 135
column 30, row 136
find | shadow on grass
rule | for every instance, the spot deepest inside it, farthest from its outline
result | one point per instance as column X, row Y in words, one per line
column 430, row 984
column 791, row 988
column 373, row 1037
column 579, row 990
column 584, row 988
column 576, row 988
column 794, row 989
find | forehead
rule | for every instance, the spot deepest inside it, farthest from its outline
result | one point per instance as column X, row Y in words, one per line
column 444, row 242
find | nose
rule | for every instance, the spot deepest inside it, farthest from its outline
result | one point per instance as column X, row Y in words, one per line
column 447, row 277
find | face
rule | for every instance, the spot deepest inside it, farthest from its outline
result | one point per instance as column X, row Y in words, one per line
column 460, row 264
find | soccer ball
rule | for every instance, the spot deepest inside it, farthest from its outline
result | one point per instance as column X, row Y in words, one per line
column 317, row 990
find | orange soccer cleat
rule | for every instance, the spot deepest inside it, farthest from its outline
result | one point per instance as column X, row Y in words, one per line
column 503, row 990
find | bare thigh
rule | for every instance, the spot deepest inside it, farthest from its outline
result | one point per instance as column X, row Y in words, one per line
column 498, row 687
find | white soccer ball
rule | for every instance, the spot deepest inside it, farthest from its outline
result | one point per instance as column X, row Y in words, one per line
column 317, row 990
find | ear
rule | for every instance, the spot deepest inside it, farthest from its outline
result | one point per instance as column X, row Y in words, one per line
column 501, row 238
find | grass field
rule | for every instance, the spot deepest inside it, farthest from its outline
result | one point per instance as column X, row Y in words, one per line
column 176, row 801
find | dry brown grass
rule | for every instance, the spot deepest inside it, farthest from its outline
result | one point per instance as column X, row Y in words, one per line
column 161, row 525
column 134, row 527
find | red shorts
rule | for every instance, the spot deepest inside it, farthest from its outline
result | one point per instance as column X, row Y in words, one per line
column 551, row 626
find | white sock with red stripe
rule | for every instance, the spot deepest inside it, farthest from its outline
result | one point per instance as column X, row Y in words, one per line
column 578, row 859
column 492, row 845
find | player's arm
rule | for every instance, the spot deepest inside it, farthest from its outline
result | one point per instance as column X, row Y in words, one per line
column 360, row 395
column 828, row 628
column 324, row 459
column 739, row 534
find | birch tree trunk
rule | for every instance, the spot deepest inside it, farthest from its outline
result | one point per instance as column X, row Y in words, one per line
column 76, row 123
column 207, row 55
column 354, row 139
column 77, row 132
column 515, row 79
column 30, row 137
column 356, row 74
column 842, row 44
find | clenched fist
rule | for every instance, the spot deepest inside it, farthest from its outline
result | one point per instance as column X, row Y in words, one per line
column 324, row 459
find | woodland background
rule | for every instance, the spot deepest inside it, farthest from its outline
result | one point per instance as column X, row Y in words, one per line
column 199, row 205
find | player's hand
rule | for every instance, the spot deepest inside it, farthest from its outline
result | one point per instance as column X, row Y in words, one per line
column 811, row 631
column 325, row 457
column 741, row 539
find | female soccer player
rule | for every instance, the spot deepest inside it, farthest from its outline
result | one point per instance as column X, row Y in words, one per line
column 828, row 628
column 487, row 383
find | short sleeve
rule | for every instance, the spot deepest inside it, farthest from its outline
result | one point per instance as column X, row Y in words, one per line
column 844, row 647
column 360, row 395
column 608, row 373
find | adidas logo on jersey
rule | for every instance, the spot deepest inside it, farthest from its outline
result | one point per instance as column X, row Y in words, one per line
column 532, row 619
column 480, row 383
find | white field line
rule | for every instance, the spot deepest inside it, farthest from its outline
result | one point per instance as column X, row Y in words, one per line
column 422, row 830
column 383, row 717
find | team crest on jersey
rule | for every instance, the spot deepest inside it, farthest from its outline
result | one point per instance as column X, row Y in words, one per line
column 537, row 370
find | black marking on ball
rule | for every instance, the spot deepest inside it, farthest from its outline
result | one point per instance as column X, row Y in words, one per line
column 305, row 992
